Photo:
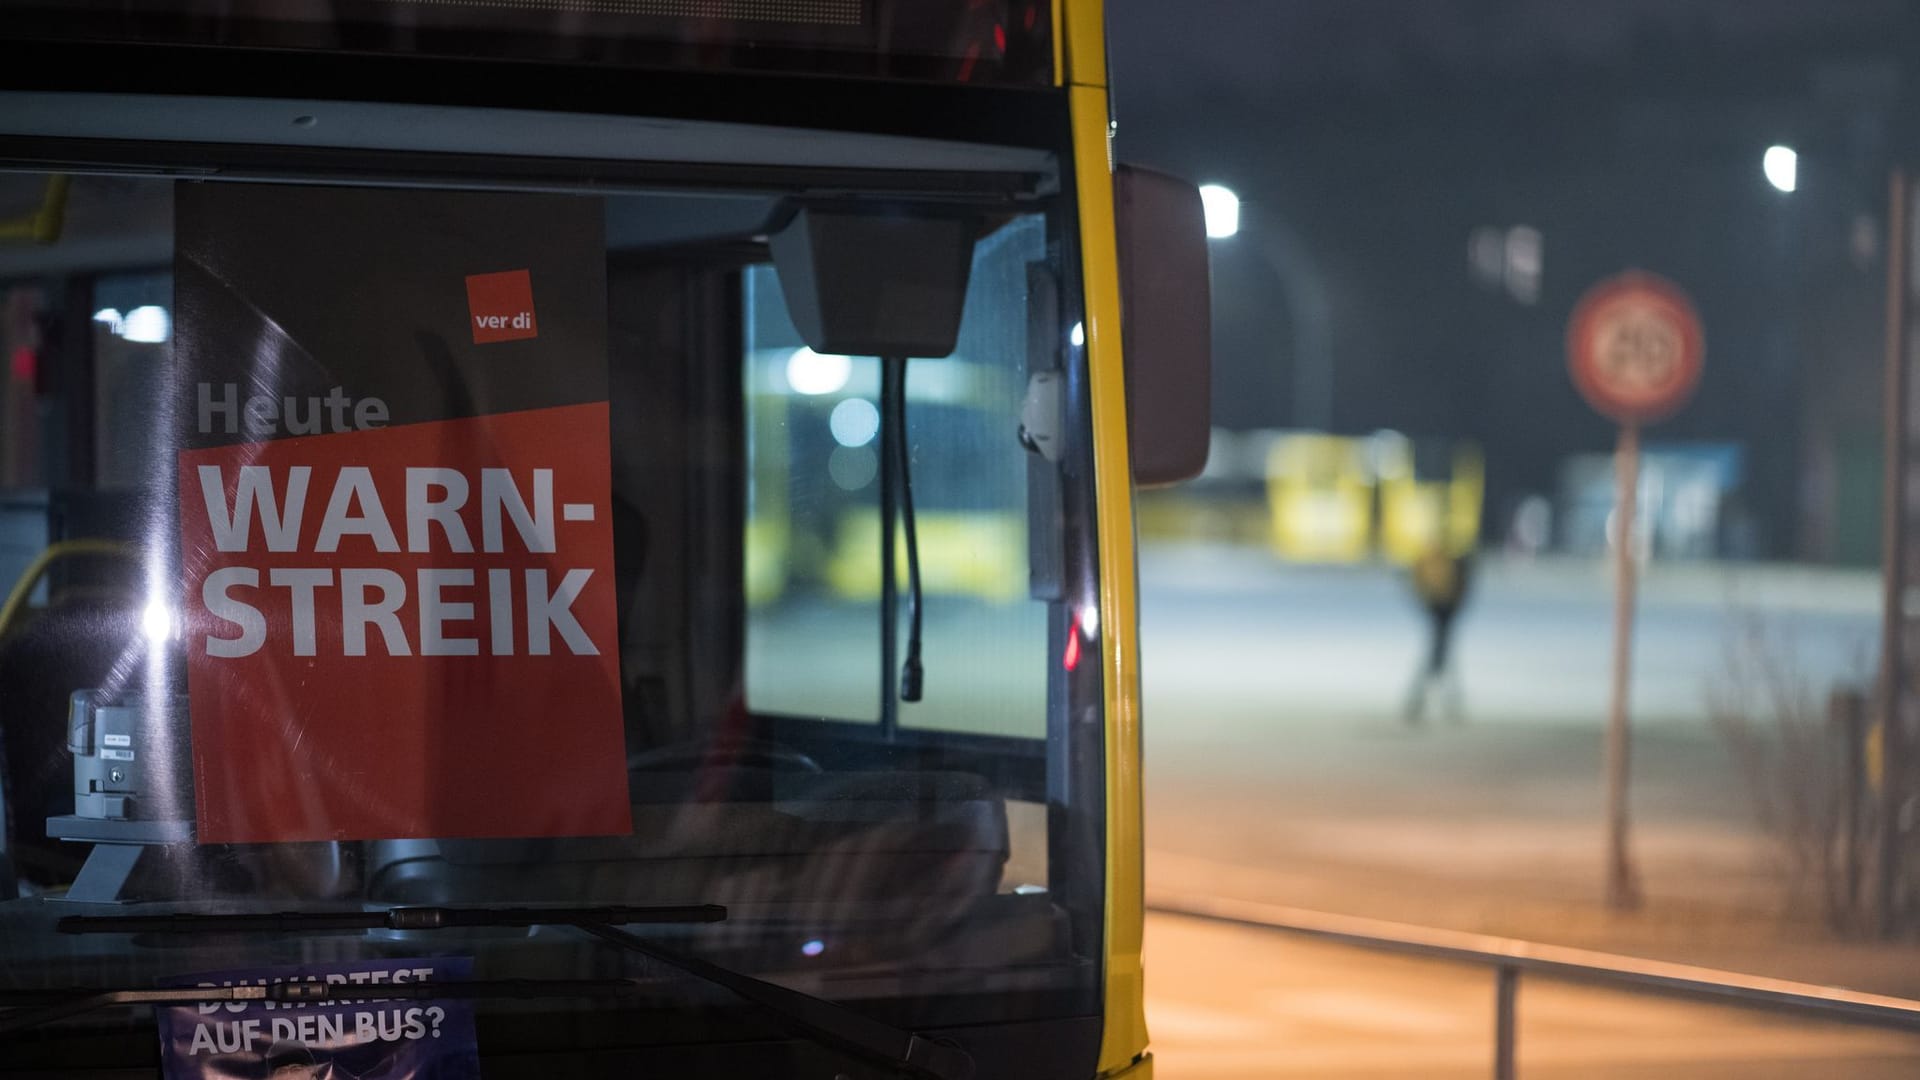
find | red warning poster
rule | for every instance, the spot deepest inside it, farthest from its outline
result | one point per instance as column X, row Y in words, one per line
column 395, row 520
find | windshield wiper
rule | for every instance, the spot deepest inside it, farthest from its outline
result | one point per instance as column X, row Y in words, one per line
column 75, row 1001
column 395, row 918
column 823, row 1021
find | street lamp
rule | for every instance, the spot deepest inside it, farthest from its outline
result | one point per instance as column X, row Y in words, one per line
column 1782, row 166
column 1222, row 208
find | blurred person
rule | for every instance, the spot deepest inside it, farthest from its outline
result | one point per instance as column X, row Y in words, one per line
column 1440, row 581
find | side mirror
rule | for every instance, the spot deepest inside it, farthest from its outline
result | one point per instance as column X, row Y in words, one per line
column 1166, row 323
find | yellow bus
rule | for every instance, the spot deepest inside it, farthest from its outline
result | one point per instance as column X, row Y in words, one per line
column 1320, row 492
column 1346, row 499
column 578, row 538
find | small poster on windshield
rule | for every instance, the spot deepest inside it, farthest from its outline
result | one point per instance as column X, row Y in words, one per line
column 394, row 501
column 359, row 1039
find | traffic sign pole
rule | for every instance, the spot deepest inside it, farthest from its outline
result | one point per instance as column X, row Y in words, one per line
column 1894, row 700
column 1623, row 887
column 1635, row 349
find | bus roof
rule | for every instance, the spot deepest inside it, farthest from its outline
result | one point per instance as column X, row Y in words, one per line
column 992, row 42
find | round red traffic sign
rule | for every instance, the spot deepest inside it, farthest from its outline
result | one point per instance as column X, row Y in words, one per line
column 1635, row 347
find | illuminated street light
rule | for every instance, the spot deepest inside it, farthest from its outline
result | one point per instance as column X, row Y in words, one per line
column 813, row 373
column 1782, row 167
column 1223, row 210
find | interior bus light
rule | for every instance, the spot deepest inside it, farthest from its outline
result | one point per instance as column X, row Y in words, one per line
column 148, row 325
column 156, row 621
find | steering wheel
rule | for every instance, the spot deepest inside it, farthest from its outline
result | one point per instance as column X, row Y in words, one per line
column 733, row 753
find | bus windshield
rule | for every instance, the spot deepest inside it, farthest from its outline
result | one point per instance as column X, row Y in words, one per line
column 428, row 545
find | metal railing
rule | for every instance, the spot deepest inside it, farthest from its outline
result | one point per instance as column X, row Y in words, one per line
column 1510, row 958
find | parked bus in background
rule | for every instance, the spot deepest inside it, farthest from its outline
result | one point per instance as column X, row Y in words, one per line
column 1348, row 499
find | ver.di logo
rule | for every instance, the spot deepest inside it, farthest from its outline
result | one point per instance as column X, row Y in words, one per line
column 501, row 306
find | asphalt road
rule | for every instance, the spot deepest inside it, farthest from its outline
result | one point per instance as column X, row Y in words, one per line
column 1273, row 728
column 1275, row 740
column 1230, row 628
column 1226, row 1003
column 1279, row 769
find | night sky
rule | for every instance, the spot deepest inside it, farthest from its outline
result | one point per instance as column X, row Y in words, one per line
column 1369, row 140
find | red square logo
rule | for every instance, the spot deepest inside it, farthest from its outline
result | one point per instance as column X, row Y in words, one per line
column 501, row 306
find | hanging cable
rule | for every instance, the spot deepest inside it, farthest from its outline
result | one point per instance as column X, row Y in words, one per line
column 889, row 584
column 912, row 675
